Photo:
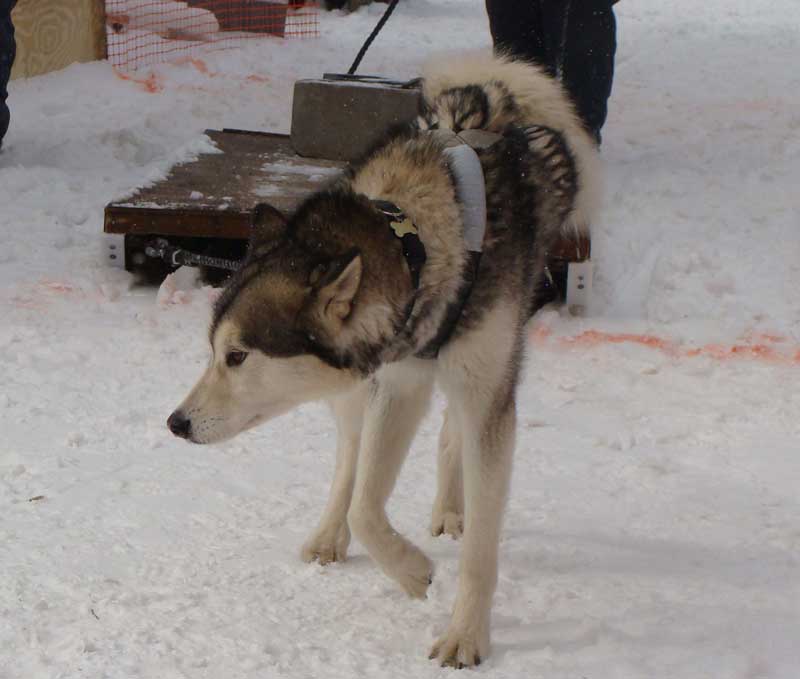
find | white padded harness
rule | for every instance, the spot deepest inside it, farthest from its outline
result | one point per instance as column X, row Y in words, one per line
column 470, row 183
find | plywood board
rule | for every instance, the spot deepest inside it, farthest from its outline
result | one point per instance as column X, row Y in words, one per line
column 214, row 196
column 52, row 34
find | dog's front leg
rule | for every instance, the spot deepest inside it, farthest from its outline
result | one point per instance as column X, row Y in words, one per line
column 332, row 536
column 398, row 400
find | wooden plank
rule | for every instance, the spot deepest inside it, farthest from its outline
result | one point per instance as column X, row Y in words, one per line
column 53, row 34
column 177, row 222
column 254, row 16
column 98, row 29
column 214, row 195
column 576, row 248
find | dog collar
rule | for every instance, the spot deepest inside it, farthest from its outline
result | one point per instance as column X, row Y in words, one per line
column 407, row 232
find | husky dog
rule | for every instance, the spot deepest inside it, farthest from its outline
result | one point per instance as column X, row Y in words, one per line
column 336, row 303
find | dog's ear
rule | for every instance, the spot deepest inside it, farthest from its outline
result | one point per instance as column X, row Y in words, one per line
column 336, row 285
column 267, row 228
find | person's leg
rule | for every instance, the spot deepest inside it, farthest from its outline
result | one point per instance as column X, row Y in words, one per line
column 587, row 61
column 7, row 53
column 517, row 29
column 573, row 40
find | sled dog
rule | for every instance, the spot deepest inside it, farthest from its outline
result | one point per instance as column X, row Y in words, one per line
column 369, row 294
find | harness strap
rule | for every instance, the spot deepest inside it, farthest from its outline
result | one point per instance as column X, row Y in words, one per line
column 453, row 314
column 471, row 190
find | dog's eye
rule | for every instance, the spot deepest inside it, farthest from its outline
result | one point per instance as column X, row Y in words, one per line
column 234, row 358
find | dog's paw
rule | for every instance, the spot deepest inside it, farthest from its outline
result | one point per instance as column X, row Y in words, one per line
column 324, row 553
column 449, row 523
column 460, row 648
column 325, row 548
column 413, row 571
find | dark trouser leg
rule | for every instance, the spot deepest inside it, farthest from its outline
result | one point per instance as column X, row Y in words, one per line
column 517, row 28
column 7, row 53
column 574, row 40
column 588, row 59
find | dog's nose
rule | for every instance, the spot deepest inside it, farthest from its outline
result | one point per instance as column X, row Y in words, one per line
column 179, row 424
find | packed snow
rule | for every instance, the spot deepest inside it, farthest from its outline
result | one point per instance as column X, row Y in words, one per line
column 653, row 530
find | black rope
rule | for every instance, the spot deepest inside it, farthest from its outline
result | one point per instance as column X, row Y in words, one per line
column 174, row 256
column 372, row 36
column 192, row 259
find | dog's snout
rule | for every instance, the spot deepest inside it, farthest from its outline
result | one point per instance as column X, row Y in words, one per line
column 179, row 424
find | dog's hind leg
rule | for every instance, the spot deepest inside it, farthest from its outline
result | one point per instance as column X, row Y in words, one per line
column 399, row 399
column 478, row 374
column 332, row 536
column 448, row 508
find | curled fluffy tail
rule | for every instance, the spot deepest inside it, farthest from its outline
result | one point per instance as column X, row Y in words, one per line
column 480, row 90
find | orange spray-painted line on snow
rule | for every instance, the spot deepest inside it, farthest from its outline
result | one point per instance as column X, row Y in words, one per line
column 760, row 347
column 198, row 64
column 594, row 337
column 152, row 83
column 760, row 352
column 58, row 287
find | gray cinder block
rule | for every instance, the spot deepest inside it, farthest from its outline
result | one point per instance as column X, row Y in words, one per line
column 340, row 118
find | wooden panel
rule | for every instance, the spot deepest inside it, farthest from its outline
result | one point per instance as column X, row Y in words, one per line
column 214, row 195
column 52, row 34
column 199, row 222
column 254, row 16
column 577, row 248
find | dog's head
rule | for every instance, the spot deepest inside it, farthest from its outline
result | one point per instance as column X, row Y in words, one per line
column 276, row 336
column 305, row 317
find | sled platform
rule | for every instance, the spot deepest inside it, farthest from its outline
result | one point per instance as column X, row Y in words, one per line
column 205, row 205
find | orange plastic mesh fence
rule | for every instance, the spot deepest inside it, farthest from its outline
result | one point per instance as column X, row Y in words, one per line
column 142, row 32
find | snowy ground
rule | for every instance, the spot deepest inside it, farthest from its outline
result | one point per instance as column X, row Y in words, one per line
column 653, row 530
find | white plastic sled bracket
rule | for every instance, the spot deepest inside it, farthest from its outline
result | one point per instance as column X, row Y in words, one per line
column 579, row 286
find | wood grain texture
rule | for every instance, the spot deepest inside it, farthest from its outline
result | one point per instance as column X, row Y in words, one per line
column 52, row 34
column 214, row 195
